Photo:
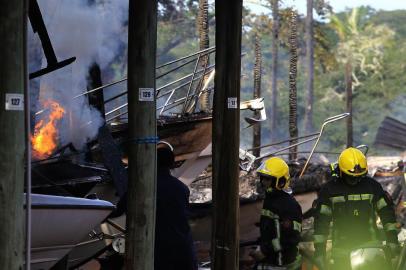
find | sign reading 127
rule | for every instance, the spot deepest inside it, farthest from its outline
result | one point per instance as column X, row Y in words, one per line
column 146, row 94
column 14, row 102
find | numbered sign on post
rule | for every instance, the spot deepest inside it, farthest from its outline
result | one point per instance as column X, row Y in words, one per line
column 146, row 94
column 14, row 102
column 232, row 103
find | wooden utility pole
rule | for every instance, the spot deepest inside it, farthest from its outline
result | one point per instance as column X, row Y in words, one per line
column 12, row 141
column 226, row 137
column 348, row 90
column 142, row 38
column 256, row 142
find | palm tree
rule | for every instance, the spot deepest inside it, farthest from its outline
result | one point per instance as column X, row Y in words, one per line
column 275, row 41
column 308, row 120
column 360, row 49
column 348, row 92
column 314, row 33
column 204, row 43
column 293, row 130
column 257, row 92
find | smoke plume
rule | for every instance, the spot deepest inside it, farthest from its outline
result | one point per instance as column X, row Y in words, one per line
column 92, row 31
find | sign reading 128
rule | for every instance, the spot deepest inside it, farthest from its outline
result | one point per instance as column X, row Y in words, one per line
column 146, row 94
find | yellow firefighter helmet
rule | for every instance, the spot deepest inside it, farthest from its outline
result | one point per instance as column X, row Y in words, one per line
column 276, row 169
column 353, row 162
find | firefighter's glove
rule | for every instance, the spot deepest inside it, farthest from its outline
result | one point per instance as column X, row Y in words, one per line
column 257, row 255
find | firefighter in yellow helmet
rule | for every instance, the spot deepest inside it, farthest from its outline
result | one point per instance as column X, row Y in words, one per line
column 281, row 219
column 351, row 201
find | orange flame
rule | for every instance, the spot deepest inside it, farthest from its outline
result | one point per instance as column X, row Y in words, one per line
column 44, row 140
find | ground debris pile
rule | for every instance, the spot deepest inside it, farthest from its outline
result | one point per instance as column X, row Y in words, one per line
column 200, row 189
column 383, row 166
column 389, row 172
column 315, row 176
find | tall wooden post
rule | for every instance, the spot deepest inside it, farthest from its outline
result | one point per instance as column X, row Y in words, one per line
column 226, row 138
column 142, row 35
column 12, row 140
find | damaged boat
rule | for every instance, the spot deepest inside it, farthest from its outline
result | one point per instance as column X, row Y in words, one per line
column 60, row 223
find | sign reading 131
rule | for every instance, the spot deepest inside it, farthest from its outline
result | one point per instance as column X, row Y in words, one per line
column 232, row 103
column 146, row 94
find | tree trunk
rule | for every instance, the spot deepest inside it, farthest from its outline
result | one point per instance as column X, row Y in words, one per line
column 308, row 121
column 257, row 94
column 274, row 88
column 13, row 78
column 293, row 131
column 141, row 194
column 226, row 135
column 204, row 42
column 348, row 90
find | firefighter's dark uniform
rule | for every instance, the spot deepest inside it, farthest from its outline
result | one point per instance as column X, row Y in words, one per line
column 173, row 239
column 352, row 209
column 280, row 225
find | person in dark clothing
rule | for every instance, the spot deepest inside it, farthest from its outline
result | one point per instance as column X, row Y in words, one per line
column 351, row 201
column 173, row 239
column 281, row 219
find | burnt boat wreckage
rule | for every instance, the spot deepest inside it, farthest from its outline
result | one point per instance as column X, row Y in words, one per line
column 58, row 223
column 101, row 173
column 79, row 189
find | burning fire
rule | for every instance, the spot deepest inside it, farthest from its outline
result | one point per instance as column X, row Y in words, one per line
column 44, row 140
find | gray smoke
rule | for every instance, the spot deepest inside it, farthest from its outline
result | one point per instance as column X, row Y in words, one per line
column 90, row 32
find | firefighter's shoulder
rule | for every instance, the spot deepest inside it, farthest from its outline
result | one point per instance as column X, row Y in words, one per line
column 331, row 184
column 373, row 182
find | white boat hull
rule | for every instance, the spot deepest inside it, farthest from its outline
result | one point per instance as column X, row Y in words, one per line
column 60, row 223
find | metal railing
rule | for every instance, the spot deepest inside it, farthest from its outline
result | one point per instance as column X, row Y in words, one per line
column 183, row 92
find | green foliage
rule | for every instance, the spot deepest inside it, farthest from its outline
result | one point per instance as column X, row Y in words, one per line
column 374, row 40
column 370, row 46
column 360, row 43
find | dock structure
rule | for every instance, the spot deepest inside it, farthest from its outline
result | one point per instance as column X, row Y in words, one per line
column 12, row 142
column 226, row 138
column 142, row 37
